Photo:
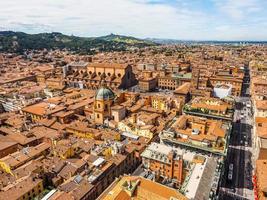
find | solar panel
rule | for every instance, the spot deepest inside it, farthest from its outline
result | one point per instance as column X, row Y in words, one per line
column 78, row 179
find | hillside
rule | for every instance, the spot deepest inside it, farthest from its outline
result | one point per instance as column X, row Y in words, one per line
column 125, row 39
column 19, row 41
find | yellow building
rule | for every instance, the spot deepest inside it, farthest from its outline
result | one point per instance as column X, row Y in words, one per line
column 5, row 167
column 82, row 130
column 146, row 131
column 41, row 78
column 161, row 103
column 28, row 187
column 64, row 150
column 18, row 158
column 166, row 104
column 135, row 188
column 55, row 83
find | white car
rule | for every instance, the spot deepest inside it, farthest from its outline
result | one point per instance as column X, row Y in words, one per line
column 230, row 176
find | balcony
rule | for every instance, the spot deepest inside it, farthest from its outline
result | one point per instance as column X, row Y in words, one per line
column 165, row 136
column 187, row 109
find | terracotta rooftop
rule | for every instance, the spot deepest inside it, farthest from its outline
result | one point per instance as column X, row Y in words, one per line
column 261, row 104
column 140, row 188
column 24, row 185
column 183, row 89
column 6, row 144
column 43, row 108
column 16, row 159
column 261, row 171
column 210, row 104
column 206, row 129
column 108, row 65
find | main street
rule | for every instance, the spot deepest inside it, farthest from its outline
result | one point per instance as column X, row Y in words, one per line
column 239, row 186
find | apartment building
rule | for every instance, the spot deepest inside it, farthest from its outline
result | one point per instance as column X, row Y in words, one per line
column 164, row 162
column 198, row 133
column 209, row 107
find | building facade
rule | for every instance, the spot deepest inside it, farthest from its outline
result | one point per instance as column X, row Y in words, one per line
column 91, row 75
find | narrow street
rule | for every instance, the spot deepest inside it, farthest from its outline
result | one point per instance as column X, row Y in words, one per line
column 239, row 186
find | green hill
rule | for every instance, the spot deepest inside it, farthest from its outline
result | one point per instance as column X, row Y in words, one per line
column 125, row 39
column 18, row 42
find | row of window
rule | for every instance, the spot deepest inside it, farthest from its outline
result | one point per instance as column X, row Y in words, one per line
column 31, row 194
column 167, row 81
column 226, row 82
column 103, row 73
column 167, row 87
column 90, row 72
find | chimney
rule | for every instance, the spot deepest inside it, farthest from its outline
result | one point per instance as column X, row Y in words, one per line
column 134, row 118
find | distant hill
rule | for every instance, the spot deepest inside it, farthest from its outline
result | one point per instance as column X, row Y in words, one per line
column 167, row 41
column 19, row 41
column 125, row 39
column 164, row 41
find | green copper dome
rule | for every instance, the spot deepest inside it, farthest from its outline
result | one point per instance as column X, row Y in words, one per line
column 104, row 93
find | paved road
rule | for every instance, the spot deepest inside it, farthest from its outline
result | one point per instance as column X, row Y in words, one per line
column 239, row 151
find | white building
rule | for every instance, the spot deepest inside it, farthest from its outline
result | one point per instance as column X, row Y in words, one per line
column 221, row 90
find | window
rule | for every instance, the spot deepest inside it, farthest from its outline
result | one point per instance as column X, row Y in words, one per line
column 98, row 105
column 97, row 115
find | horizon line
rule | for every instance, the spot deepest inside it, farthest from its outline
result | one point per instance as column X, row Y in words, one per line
column 145, row 38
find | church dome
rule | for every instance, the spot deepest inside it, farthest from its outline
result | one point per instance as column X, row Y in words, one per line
column 104, row 93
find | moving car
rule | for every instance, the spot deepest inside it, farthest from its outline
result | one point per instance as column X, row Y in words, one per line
column 230, row 172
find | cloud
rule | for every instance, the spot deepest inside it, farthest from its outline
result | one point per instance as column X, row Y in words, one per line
column 29, row 27
column 180, row 19
column 139, row 18
column 239, row 9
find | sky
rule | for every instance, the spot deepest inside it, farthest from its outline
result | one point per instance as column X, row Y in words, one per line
column 173, row 19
